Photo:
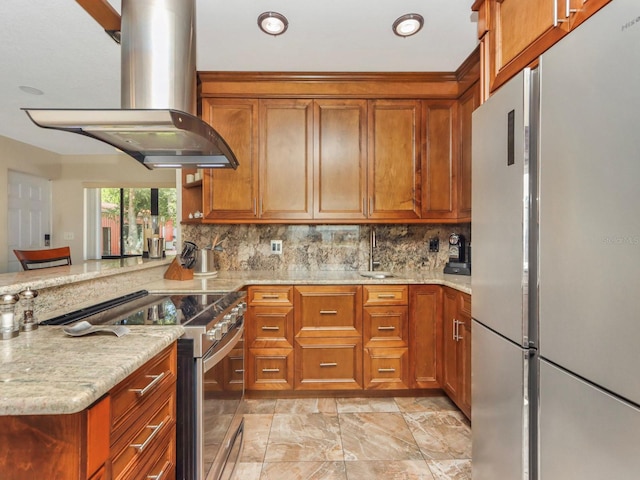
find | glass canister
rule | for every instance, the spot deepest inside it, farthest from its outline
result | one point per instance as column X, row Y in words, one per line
column 29, row 321
column 9, row 324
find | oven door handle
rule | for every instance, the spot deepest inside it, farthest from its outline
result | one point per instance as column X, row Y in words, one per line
column 214, row 357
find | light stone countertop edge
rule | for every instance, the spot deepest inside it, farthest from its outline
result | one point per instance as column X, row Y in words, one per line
column 236, row 280
column 76, row 371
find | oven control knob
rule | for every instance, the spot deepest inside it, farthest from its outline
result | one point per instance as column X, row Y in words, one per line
column 215, row 333
column 225, row 323
column 243, row 307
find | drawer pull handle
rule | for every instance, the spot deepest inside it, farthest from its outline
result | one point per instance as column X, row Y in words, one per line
column 328, row 312
column 270, row 328
column 270, row 296
column 386, row 328
column 270, row 370
column 160, row 476
column 143, row 391
column 156, row 429
column 329, row 364
column 386, row 370
column 386, row 295
column 239, row 370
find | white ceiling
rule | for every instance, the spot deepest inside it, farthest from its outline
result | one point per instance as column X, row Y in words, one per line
column 55, row 46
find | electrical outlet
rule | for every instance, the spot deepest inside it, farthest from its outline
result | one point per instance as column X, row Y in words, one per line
column 68, row 235
column 276, row 247
column 434, row 244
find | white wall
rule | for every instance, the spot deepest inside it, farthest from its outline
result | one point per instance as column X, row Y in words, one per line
column 24, row 158
column 70, row 175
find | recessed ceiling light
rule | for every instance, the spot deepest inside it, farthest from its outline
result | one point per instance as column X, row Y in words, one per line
column 408, row 25
column 31, row 90
column 273, row 23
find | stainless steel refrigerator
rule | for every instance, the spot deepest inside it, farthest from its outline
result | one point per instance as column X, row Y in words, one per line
column 556, row 281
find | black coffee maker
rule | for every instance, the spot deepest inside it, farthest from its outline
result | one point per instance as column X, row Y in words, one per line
column 459, row 256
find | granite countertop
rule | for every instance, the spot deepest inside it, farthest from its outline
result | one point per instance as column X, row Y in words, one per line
column 228, row 281
column 47, row 372
column 38, row 279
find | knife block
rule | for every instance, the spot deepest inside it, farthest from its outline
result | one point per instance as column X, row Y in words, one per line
column 177, row 272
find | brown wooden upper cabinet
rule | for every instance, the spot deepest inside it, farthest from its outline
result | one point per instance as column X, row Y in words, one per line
column 233, row 194
column 286, row 156
column 394, row 159
column 515, row 33
column 340, row 156
column 340, row 149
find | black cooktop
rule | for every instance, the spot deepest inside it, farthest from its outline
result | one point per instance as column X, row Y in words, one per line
column 143, row 308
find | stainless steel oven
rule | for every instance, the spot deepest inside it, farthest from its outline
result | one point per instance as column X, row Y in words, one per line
column 219, row 395
column 210, row 384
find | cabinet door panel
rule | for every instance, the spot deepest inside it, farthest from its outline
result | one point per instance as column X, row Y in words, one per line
column 229, row 194
column 450, row 343
column 340, row 158
column 425, row 335
column 394, row 159
column 286, row 133
column 269, row 327
column 439, row 167
column 468, row 103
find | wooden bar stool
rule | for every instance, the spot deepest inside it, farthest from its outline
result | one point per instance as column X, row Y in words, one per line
column 50, row 257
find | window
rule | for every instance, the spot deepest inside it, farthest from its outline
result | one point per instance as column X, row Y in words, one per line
column 126, row 214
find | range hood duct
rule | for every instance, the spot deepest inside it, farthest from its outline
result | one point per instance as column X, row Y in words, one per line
column 157, row 124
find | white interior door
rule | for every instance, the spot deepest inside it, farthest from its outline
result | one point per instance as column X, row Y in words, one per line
column 29, row 217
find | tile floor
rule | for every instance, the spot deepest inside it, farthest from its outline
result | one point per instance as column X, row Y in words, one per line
column 423, row 438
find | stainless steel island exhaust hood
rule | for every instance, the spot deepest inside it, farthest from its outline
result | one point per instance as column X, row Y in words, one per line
column 156, row 124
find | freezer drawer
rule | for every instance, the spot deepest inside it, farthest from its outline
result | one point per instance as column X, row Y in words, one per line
column 500, row 433
column 585, row 433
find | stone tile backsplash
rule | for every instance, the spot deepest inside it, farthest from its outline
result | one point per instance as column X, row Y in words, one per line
column 326, row 247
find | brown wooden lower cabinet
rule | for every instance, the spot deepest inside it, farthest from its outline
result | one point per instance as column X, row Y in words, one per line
column 97, row 443
column 364, row 337
column 425, row 335
column 456, row 364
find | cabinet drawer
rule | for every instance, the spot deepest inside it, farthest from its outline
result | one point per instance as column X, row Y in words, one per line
column 233, row 366
column 328, row 311
column 386, row 326
column 385, row 295
column 270, row 327
column 161, row 463
column 328, row 363
column 386, row 368
column 131, row 395
column 270, row 369
column 270, row 295
column 146, row 436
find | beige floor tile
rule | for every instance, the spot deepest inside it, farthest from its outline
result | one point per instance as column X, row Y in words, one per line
column 377, row 436
column 304, row 437
column 441, row 435
column 304, row 471
column 425, row 404
column 351, row 405
column 389, row 470
column 247, row 471
column 306, row 405
column 258, row 405
column 256, row 436
column 450, row 469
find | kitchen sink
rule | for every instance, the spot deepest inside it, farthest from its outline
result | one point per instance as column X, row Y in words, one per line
column 377, row 274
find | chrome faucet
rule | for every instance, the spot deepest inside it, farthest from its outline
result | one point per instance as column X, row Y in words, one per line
column 373, row 243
